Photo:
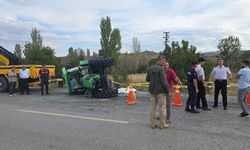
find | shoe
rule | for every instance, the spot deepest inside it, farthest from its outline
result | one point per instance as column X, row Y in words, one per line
column 157, row 118
column 194, row 111
column 214, row 106
column 167, row 121
column 47, row 94
column 154, row 126
column 187, row 109
column 208, row 109
column 198, row 107
column 10, row 95
column 225, row 108
column 244, row 115
column 164, row 126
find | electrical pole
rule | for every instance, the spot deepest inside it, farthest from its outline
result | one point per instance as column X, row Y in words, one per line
column 166, row 39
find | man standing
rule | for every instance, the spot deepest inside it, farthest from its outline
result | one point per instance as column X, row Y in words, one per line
column 12, row 81
column 171, row 77
column 220, row 74
column 159, row 89
column 24, row 75
column 192, row 89
column 44, row 79
column 201, row 97
column 243, row 86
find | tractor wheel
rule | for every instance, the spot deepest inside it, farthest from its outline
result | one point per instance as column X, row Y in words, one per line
column 107, row 93
column 3, row 84
column 101, row 63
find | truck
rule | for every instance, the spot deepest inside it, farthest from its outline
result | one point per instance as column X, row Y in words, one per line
column 90, row 78
column 8, row 60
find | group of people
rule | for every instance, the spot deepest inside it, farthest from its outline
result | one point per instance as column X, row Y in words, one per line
column 161, row 79
column 23, row 77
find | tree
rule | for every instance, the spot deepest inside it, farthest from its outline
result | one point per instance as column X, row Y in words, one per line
column 88, row 53
column 110, row 40
column 181, row 57
column 230, row 51
column 35, row 52
column 18, row 51
column 95, row 55
column 136, row 45
column 72, row 58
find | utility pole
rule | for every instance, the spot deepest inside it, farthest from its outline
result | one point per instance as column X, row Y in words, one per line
column 166, row 39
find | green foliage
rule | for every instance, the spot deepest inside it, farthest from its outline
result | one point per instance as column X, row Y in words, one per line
column 230, row 51
column 35, row 52
column 88, row 53
column 111, row 46
column 110, row 40
column 180, row 57
column 74, row 57
column 18, row 52
column 208, row 67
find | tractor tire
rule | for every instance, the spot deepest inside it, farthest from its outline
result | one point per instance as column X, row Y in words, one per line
column 3, row 84
column 107, row 93
column 101, row 63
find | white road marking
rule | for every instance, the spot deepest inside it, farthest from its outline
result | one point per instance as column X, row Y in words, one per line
column 73, row 116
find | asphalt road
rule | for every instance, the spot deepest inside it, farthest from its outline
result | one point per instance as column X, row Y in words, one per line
column 62, row 122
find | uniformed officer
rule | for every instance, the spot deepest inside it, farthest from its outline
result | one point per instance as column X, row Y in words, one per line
column 201, row 97
column 192, row 89
column 44, row 79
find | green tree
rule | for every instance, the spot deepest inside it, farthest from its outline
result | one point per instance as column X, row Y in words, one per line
column 35, row 52
column 230, row 51
column 18, row 51
column 180, row 57
column 110, row 40
column 88, row 53
column 72, row 58
column 95, row 55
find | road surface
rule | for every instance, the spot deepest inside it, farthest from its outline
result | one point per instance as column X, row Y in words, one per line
column 62, row 122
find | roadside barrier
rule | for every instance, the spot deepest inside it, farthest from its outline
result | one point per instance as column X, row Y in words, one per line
column 177, row 97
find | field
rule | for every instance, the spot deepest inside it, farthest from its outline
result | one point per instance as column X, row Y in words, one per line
column 137, row 79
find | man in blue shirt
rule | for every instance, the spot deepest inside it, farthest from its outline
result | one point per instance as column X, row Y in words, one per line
column 192, row 88
column 243, row 86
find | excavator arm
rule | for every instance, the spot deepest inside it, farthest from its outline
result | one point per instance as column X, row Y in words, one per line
column 8, row 58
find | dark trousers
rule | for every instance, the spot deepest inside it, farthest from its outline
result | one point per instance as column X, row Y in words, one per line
column 12, row 87
column 192, row 97
column 220, row 85
column 24, row 85
column 46, row 84
column 201, row 97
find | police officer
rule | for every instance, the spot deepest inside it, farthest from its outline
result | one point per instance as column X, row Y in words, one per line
column 192, row 88
column 44, row 79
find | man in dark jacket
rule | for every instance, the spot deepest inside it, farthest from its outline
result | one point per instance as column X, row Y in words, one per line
column 159, row 89
column 44, row 79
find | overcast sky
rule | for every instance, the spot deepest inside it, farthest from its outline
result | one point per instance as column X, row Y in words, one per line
column 66, row 23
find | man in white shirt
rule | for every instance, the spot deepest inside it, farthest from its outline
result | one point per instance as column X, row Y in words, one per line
column 220, row 75
column 24, row 75
column 243, row 86
column 201, row 97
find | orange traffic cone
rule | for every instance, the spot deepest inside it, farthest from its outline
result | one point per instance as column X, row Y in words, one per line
column 248, row 99
column 177, row 97
column 131, row 96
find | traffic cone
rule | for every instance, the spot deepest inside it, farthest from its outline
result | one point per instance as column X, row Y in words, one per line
column 131, row 96
column 177, row 97
column 248, row 99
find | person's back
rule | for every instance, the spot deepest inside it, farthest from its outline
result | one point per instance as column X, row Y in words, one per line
column 157, row 81
column 244, row 78
column 158, row 88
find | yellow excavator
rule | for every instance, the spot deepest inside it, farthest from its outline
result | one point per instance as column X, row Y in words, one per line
column 9, row 60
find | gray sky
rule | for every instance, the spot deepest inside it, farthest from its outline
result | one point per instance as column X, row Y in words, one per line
column 66, row 23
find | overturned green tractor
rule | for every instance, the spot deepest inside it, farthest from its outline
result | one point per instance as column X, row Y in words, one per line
column 90, row 79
